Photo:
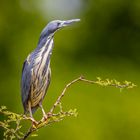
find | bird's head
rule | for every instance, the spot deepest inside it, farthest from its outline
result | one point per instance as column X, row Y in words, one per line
column 55, row 25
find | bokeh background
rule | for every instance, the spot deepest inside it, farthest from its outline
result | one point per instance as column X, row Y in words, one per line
column 105, row 43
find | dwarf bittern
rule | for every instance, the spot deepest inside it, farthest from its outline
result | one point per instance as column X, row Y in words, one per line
column 36, row 72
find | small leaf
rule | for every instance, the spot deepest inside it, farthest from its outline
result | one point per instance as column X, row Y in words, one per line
column 98, row 78
column 34, row 135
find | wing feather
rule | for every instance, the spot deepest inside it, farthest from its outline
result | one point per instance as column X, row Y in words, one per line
column 25, row 83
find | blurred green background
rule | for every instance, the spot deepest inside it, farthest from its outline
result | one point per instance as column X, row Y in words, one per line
column 105, row 43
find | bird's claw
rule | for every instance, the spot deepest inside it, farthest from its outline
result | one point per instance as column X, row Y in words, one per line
column 46, row 116
column 34, row 122
column 49, row 114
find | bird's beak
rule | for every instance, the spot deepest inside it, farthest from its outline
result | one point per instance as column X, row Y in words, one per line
column 68, row 22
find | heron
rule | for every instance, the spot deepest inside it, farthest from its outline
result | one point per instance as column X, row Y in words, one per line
column 36, row 71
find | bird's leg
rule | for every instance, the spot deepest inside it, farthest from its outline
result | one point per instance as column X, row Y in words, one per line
column 43, row 111
column 31, row 115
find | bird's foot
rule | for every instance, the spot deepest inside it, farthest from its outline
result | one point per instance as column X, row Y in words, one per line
column 49, row 114
column 34, row 122
column 46, row 116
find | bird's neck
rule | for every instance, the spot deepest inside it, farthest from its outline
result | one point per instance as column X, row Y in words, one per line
column 43, row 40
column 45, row 46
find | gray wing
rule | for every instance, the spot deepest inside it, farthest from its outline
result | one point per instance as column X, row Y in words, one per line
column 48, row 81
column 25, row 83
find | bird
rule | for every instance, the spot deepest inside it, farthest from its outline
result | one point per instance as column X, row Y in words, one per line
column 36, row 71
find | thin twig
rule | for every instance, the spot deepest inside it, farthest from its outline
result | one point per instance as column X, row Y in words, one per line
column 63, row 92
column 27, row 134
column 81, row 78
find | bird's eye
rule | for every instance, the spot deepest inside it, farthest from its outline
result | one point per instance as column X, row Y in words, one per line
column 58, row 23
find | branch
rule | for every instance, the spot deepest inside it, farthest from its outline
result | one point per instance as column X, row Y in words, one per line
column 12, row 133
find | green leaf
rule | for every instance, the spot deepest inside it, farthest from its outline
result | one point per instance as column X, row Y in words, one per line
column 34, row 135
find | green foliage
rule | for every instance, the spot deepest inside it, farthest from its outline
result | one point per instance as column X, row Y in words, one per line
column 11, row 132
column 107, row 82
